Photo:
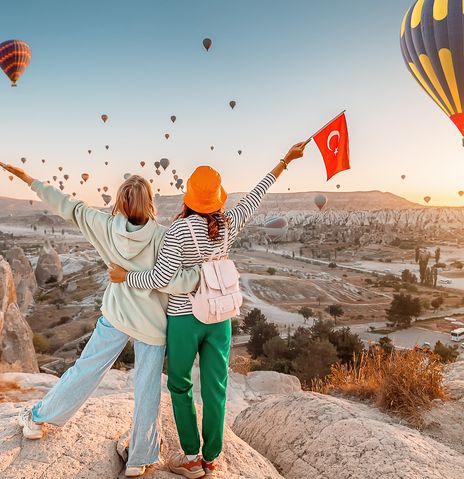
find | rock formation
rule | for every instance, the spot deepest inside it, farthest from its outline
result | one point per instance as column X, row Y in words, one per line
column 16, row 348
column 312, row 435
column 24, row 277
column 86, row 449
column 48, row 269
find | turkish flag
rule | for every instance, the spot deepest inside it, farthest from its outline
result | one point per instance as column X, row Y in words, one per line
column 334, row 145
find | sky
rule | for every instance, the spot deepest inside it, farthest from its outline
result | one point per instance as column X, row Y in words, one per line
column 290, row 66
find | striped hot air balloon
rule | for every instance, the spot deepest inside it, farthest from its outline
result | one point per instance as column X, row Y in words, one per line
column 432, row 43
column 15, row 56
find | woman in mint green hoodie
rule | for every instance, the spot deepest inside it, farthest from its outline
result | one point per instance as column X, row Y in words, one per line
column 131, row 237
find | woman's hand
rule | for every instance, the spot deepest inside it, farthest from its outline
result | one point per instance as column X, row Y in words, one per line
column 296, row 151
column 116, row 273
column 19, row 172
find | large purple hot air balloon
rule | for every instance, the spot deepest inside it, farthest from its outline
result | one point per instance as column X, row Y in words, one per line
column 15, row 56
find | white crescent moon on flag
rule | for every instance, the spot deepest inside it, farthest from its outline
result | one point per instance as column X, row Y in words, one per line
column 332, row 135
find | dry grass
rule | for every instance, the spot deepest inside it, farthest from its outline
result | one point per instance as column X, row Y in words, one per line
column 8, row 390
column 241, row 365
column 404, row 383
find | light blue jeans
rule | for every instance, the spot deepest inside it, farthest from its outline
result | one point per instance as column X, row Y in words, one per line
column 79, row 381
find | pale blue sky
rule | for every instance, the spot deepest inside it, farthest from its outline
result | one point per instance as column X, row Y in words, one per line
column 290, row 65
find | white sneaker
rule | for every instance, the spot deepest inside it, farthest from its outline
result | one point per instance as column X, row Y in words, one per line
column 31, row 429
column 135, row 471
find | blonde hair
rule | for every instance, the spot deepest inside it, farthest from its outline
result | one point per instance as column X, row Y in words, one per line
column 134, row 200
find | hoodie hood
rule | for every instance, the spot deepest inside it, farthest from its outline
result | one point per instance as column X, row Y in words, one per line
column 130, row 240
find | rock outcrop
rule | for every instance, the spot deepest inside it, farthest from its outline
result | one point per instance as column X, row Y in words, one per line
column 24, row 277
column 312, row 435
column 86, row 448
column 16, row 348
column 49, row 269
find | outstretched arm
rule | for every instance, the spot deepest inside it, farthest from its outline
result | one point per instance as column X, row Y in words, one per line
column 247, row 206
column 78, row 212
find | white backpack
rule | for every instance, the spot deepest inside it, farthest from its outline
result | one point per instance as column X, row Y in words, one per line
column 218, row 297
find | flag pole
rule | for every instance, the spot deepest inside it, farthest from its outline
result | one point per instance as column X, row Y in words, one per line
column 326, row 125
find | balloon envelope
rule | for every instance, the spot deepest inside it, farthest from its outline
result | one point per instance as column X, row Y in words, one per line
column 164, row 163
column 15, row 56
column 85, row 176
column 320, row 201
column 104, row 118
column 207, row 42
column 232, row 104
column 427, row 199
column 173, row 118
column 432, row 38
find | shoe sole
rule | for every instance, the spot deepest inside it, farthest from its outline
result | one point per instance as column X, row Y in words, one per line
column 135, row 475
column 186, row 473
column 29, row 435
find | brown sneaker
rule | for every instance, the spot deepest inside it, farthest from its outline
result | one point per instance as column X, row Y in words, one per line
column 179, row 464
column 209, row 468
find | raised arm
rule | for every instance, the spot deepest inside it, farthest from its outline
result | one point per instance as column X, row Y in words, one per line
column 84, row 217
column 247, row 206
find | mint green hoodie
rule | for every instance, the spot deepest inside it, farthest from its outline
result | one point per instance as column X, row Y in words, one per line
column 139, row 313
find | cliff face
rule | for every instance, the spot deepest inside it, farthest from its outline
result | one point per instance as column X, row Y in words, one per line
column 16, row 349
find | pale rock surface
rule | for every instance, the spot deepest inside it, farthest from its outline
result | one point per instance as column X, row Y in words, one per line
column 24, row 277
column 309, row 435
column 48, row 269
column 16, row 348
column 85, row 448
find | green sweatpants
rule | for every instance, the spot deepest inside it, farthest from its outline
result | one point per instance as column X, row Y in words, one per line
column 186, row 337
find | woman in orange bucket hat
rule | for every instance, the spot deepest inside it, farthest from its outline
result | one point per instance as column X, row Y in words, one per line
column 202, row 230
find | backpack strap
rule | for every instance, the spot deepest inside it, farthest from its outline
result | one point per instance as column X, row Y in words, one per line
column 226, row 238
column 195, row 241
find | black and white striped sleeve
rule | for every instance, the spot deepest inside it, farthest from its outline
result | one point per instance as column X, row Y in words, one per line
column 167, row 265
column 242, row 213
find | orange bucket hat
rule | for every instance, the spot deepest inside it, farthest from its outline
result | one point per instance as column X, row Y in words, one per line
column 204, row 191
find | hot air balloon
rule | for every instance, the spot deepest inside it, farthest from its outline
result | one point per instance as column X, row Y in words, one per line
column 427, row 199
column 106, row 163
column 127, row 176
column 99, row 189
column 107, row 147
column 276, row 228
column 23, row 160
column 176, row 177
column 211, row 147
column 432, row 38
column 11, row 177
column 461, row 193
column 74, row 193
column 157, row 164
column 164, row 162
column 66, row 177
column 403, row 177
column 55, row 178
column 166, row 135
column 105, row 189
column 207, row 42
column 61, row 187
column 60, row 168
column 43, row 161
column 85, row 176
column 320, row 201
column 31, row 202
column 232, row 104
column 142, row 164
column 104, row 118
column 15, row 56
column 159, row 189
column 158, row 172
column 89, row 151
column 173, row 172
column 338, row 187
column 173, row 118
column 151, row 180
column 106, row 199
column 81, row 182
column 171, row 183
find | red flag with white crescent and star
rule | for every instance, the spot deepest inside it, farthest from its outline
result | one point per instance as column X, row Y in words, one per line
column 334, row 145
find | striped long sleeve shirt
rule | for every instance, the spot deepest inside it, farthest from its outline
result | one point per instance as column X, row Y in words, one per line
column 179, row 250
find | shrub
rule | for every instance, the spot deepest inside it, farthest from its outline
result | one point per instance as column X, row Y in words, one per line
column 447, row 354
column 404, row 383
column 41, row 343
column 272, row 271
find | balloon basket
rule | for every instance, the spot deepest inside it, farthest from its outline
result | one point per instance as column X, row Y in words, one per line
column 13, row 85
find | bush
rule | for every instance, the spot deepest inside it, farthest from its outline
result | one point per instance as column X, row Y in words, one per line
column 41, row 343
column 447, row 354
column 126, row 357
column 404, row 383
column 272, row 271
column 235, row 327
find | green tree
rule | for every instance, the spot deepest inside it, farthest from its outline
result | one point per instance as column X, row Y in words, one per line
column 306, row 312
column 275, row 348
column 251, row 319
column 402, row 309
column 335, row 310
column 316, row 361
column 448, row 354
column 260, row 334
column 346, row 343
column 436, row 303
